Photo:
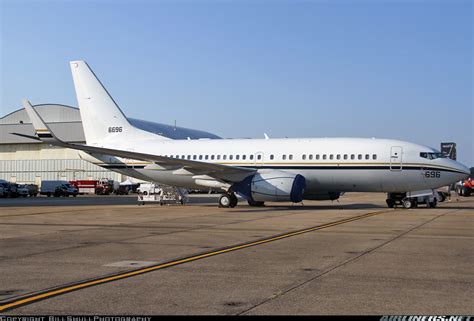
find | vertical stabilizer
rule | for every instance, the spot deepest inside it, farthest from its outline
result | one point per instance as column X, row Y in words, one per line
column 102, row 119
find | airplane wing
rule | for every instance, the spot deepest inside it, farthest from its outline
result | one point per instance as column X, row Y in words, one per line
column 218, row 171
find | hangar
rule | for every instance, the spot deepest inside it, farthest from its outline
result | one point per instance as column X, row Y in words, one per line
column 23, row 160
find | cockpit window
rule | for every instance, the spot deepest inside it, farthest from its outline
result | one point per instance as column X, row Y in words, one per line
column 432, row 155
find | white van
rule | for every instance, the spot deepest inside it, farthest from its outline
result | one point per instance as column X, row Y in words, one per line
column 57, row 188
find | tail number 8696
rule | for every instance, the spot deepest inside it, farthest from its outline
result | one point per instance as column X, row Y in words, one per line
column 115, row 129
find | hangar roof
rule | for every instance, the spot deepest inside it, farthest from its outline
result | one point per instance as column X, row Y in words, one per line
column 66, row 122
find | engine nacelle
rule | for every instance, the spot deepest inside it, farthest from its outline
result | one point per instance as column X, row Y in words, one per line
column 273, row 186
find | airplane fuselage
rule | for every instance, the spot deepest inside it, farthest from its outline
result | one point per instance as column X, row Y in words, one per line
column 329, row 165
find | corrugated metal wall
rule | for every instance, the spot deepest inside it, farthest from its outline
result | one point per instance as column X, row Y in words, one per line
column 33, row 171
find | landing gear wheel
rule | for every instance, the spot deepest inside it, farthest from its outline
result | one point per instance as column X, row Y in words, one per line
column 234, row 200
column 407, row 203
column 225, row 200
column 432, row 204
column 390, row 203
column 255, row 203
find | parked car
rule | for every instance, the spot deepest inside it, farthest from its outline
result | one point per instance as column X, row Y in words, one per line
column 32, row 190
column 9, row 189
column 23, row 190
column 122, row 190
column 57, row 188
column 464, row 188
column 4, row 188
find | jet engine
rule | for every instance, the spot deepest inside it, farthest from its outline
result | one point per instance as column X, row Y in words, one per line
column 274, row 186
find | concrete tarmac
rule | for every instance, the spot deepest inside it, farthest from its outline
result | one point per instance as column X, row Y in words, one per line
column 392, row 261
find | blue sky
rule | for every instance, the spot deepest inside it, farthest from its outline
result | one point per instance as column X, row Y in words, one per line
column 394, row 69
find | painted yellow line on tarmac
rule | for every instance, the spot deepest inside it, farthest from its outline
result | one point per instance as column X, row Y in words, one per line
column 100, row 280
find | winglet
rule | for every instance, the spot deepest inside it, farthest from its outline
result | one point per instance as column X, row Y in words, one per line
column 41, row 129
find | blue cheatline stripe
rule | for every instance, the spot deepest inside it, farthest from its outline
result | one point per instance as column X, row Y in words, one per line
column 121, row 166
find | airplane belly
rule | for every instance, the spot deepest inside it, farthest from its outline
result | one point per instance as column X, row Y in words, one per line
column 373, row 180
column 363, row 180
column 342, row 180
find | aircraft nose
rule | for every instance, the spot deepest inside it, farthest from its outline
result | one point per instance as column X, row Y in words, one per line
column 462, row 168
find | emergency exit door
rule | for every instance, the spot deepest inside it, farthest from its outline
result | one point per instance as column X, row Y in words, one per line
column 396, row 162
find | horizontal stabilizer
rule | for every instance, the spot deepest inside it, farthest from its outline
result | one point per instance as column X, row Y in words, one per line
column 218, row 171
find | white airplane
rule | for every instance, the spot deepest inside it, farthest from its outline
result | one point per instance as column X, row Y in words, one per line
column 259, row 170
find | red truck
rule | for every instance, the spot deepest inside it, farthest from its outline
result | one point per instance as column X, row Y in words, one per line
column 85, row 186
column 465, row 188
column 104, row 186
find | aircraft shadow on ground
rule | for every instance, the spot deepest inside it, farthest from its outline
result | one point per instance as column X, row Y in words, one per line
column 299, row 207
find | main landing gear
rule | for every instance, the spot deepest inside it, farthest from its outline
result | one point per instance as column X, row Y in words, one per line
column 394, row 199
column 255, row 203
column 228, row 200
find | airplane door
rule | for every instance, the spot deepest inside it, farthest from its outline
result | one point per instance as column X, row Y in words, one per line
column 396, row 163
column 258, row 159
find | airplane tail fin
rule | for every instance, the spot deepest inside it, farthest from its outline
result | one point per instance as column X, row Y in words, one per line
column 102, row 119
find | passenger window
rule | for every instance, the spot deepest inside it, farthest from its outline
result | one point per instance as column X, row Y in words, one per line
column 224, row 157
column 374, row 156
column 200, row 157
column 194, row 157
column 243, row 157
column 218, row 157
column 284, row 157
column 367, row 156
column 345, row 156
column 338, row 156
column 353, row 156
column 212, row 157
column 311, row 156
column 317, row 156
column 251, row 157
column 207, row 157
column 360, row 156
column 182, row 156
column 237, row 157
column 259, row 157
column 272, row 156
column 331, row 156
column 231, row 157
column 324, row 156
column 303, row 157
column 290, row 157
